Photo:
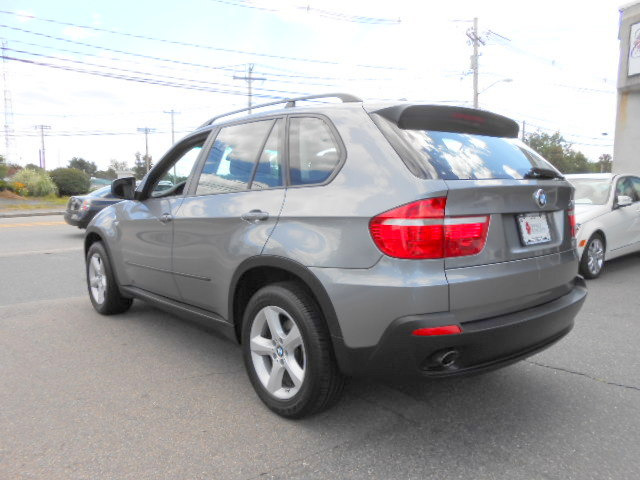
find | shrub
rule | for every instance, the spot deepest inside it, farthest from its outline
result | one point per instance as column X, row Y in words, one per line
column 36, row 183
column 19, row 189
column 3, row 185
column 70, row 181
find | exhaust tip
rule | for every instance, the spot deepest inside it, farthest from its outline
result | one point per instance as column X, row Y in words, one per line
column 443, row 359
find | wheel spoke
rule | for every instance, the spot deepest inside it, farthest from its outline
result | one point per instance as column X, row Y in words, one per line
column 295, row 372
column 95, row 262
column 292, row 340
column 275, row 378
column 261, row 346
column 273, row 320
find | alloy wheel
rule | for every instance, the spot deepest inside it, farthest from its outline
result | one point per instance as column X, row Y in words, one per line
column 595, row 256
column 277, row 352
column 97, row 278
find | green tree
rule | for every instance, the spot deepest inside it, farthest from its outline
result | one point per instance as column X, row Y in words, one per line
column 108, row 174
column 81, row 164
column 604, row 163
column 560, row 153
column 33, row 166
column 140, row 165
column 70, row 181
column 118, row 165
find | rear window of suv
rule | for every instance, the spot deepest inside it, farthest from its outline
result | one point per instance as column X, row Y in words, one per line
column 461, row 156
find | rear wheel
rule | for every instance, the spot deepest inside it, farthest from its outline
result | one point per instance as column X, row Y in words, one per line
column 592, row 259
column 101, row 283
column 288, row 352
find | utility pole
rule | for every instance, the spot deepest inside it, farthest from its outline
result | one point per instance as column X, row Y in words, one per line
column 476, row 41
column 172, row 112
column 249, row 78
column 8, row 107
column 42, row 128
column 146, row 131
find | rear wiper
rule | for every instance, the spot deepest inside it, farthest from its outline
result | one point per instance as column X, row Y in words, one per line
column 538, row 172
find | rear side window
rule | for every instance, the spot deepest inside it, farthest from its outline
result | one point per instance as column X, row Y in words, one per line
column 232, row 157
column 462, row 156
column 313, row 151
column 269, row 171
column 636, row 187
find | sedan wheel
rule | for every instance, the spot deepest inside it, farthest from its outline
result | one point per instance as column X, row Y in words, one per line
column 593, row 257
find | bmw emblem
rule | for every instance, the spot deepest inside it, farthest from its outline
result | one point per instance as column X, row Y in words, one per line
column 280, row 351
column 540, row 197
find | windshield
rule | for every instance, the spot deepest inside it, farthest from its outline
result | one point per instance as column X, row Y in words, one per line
column 591, row 191
column 462, row 156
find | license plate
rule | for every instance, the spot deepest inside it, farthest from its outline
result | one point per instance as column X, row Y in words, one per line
column 534, row 228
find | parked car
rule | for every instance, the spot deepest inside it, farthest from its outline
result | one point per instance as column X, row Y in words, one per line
column 348, row 239
column 608, row 218
column 82, row 208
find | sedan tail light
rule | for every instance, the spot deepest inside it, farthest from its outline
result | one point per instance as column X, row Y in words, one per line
column 420, row 230
column 572, row 220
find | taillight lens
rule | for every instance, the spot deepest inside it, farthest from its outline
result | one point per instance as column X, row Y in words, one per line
column 420, row 230
column 86, row 204
column 572, row 221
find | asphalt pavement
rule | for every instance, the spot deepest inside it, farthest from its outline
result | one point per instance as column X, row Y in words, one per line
column 146, row 395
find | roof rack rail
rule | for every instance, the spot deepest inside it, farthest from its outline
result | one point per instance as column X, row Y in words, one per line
column 289, row 102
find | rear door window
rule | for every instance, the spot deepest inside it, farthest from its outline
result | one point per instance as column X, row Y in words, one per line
column 314, row 153
column 232, row 158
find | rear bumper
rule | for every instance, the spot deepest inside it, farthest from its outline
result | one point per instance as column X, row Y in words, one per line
column 78, row 219
column 483, row 344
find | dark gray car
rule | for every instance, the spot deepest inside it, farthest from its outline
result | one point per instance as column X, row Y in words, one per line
column 347, row 239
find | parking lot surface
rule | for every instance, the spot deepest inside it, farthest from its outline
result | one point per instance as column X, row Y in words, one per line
column 146, row 395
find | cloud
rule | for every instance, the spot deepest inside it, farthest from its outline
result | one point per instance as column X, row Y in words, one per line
column 78, row 33
column 24, row 15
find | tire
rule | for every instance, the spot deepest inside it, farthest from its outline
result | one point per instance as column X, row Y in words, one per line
column 592, row 261
column 288, row 353
column 101, row 283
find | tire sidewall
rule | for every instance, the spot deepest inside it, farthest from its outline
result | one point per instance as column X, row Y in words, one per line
column 278, row 296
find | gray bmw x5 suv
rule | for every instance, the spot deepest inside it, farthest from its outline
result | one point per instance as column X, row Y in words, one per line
column 347, row 239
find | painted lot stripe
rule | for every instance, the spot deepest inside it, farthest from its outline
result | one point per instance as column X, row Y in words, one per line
column 30, row 224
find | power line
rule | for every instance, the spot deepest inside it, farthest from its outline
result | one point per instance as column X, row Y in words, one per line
column 164, row 80
column 194, row 45
column 324, row 13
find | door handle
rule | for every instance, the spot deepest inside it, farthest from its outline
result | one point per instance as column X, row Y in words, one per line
column 255, row 216
column 165, row 218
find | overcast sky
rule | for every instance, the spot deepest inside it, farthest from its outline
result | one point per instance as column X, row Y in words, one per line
column 146, row 58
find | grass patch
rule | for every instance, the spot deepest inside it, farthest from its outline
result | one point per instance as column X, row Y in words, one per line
column 37, row 203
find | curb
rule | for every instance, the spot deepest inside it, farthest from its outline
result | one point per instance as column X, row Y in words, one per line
column 31, row 214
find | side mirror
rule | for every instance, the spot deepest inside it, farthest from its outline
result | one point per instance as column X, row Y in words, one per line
column 124, row 188
column 624, row 201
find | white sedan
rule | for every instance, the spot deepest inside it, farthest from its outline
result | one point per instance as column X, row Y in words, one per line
column 607, row 209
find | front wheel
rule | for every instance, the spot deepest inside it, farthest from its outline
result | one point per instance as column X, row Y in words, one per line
column 288, row 353
column 101, row 283
column 592, row 259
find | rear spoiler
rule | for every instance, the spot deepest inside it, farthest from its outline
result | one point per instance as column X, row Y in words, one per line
column 450, row 119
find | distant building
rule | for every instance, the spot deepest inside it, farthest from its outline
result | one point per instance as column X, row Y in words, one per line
column 626, row 148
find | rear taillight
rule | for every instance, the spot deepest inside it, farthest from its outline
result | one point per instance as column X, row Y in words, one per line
column 86, row 204
column 420, row 230
column 572, row 220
